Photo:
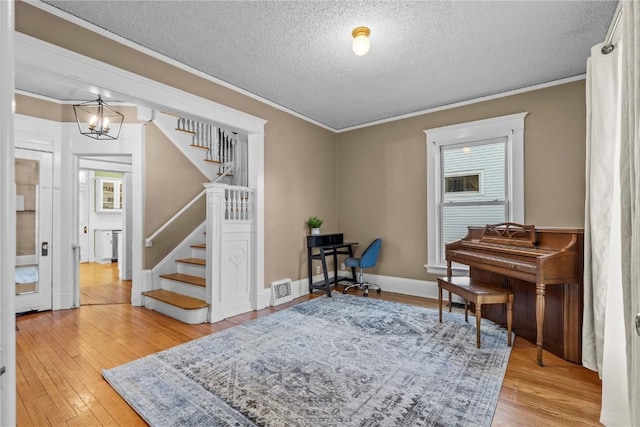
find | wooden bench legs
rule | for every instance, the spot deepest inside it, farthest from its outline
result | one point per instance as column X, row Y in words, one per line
column 479, row 293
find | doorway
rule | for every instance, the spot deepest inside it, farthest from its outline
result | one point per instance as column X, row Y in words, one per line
column 34, row 245
column 101, row 226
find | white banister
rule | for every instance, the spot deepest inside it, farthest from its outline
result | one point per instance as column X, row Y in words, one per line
column 224, row 173
column 238, row 203
column 148, row 242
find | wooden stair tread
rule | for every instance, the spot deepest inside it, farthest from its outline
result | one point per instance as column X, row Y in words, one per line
column 213, row 161
column 177, row 300
column 201, row 147
column 199, row 246
column 196, row 261
column 186, row 278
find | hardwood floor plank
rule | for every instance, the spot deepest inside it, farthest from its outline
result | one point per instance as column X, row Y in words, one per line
column 22, row 414
column 88, row 420
column 56, row 380
column 99, row 284
column 61, row 355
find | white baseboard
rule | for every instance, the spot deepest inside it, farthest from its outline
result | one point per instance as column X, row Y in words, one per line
column 263, row 299
column 401, row 285
column 136, row 298
column 398, row 285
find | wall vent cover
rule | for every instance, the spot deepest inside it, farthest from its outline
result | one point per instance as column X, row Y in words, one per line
column 281, row 292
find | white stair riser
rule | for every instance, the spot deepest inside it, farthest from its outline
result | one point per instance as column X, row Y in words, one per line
column 183, row 288
column 199, row 253
column 191, row 269
column 191, row 317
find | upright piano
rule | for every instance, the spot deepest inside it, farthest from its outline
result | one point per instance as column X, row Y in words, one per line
column 543, row 267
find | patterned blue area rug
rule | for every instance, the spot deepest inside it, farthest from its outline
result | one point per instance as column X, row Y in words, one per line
column 341, row 361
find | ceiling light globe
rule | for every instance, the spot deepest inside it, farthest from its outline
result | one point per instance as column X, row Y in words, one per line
column 361, row 45
column 360, row 40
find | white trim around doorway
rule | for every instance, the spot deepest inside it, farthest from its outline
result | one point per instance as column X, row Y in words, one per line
column 54, row 63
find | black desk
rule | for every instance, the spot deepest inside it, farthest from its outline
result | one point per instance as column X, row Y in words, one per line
column 328, row 244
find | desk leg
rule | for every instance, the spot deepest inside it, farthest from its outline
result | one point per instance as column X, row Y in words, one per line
column 335, row 267
column 539, row 320
column 324, row 270
column 309, row 268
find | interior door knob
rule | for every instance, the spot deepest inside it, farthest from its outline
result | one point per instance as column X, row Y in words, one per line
column 638, row 323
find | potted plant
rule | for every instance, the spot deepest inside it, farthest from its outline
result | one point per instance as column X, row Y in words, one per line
column 314, row 224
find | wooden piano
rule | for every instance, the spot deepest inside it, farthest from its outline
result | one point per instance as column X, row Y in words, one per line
column 543, row 267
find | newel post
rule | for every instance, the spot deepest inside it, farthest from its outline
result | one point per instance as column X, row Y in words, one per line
column 215, row 218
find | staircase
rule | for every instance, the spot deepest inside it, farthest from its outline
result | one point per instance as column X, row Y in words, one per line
column 182, row 295
column 218, row 153
column 217, row 144
column 179, row 282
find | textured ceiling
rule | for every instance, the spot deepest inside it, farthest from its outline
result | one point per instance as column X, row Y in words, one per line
column 423, row 54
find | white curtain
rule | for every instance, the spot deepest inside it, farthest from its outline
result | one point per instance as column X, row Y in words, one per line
column 612, row 228
column 630, row 196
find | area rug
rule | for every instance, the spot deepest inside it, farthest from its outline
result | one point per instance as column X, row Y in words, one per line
column 340, row 361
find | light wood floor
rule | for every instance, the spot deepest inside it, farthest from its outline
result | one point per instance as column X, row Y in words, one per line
column 61, row 355
column 99, row 284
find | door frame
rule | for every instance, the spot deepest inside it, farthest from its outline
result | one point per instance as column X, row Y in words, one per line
column 7, row 217
column 53, row 63
column 41, row 300
column 84, row 251
column 109, row 164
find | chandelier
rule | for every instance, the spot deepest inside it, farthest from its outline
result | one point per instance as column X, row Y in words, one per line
column 97, row 120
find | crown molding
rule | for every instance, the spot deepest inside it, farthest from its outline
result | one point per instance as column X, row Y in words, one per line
column 468, row 102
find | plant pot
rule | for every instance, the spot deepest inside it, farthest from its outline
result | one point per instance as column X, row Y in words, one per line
column 315, row 231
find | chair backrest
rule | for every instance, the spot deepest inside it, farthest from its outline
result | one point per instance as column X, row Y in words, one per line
column 370, row 255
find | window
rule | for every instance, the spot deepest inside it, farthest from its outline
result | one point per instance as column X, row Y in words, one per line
column 462, row 185
column 475, row 176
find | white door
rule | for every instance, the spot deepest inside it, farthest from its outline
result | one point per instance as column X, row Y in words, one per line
column 34, row 248
column 83, row 220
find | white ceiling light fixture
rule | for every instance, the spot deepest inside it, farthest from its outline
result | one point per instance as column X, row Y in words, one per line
column 360, row 40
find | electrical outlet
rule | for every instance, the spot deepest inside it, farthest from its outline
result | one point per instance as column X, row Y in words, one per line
column 343, row 267
column 317, row 269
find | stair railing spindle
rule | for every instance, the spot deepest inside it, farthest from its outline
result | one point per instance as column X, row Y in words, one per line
column 235, row 204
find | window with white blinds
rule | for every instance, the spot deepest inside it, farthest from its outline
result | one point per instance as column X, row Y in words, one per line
column 475, row 177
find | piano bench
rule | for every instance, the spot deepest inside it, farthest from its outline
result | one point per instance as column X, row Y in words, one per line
column 472, row 290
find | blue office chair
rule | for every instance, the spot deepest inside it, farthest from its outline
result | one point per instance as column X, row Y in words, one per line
column 368, row 259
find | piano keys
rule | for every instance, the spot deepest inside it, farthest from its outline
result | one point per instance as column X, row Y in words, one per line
column 543, row 267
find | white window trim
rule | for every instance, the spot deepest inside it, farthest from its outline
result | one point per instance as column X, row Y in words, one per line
column 511, row 127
